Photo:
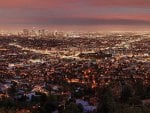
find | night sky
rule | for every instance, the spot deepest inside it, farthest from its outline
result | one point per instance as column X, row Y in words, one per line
column 75, row 14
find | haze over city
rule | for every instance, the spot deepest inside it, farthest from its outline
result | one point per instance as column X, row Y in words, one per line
column 79, row 15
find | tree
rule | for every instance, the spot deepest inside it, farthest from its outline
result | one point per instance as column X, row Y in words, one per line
column 139, row 89
column 125, row 93
column 106, row 100
column 148, row 92
column 73, row 108
column 50, row 107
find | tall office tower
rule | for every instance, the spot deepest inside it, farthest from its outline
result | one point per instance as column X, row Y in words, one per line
column 25, row 32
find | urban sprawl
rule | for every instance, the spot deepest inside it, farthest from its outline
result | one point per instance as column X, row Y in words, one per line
column 74, row 72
